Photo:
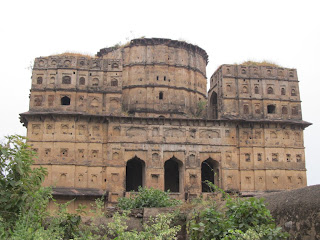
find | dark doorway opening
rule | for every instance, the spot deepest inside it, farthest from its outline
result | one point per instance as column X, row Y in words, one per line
column 172, row 175
column 134, row 174
column 209, row 172
column 65, row 100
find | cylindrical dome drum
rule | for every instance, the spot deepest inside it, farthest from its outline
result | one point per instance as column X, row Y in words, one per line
column 161, row 77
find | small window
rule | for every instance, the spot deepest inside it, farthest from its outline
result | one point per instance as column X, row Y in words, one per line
column 160, row 95
column 283, row 91
column 115, row 65
column 295, row 111
column 114, row 83
column 275, row 157
column 243, row 71
column 257, row 109
column 270, row 90
column 66, row 80
column 269, row 72
column 259, row 157
column 95, row 82
column 245, row 89
column 298, row 158
column 157, row 77
column 65, row 100
column 271, row 109
column 247, row 157
column 293, row 92
column 246, row 109
column 288, row 157
column 39, row 80
column 82, row 81
column 256, row 90
column 284, row 110
column 164, row 78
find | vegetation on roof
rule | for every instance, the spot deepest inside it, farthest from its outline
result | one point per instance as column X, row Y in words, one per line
column 75, row 54
column 262, row 63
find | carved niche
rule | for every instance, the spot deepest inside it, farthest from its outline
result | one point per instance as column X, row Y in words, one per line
column 192, row 161
column 50, row 129
column 65, row 128
column 38, row 100
column 175, row 132
column 156, row 160
column 95, row 103
column 155, row 132
column 50, row 100
column 210, row 134
column 35, row 129
column 116, row 131
column 135, row 132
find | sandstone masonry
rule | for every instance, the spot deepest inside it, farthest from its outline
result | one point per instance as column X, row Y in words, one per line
column 140, row 115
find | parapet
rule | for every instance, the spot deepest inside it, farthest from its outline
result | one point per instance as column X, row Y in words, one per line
column 159, row 41
column 77, row 62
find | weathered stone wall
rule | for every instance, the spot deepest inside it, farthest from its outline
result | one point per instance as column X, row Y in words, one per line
column 249, row 92
column 162, row 77
column 127, row 118
column 84, row 153
column 297, row 211
column 92, row 85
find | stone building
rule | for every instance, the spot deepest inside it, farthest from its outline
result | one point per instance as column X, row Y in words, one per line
column 140, row 115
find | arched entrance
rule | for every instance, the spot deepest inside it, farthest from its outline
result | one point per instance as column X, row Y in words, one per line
column 172, row 175
column 209, row 172
column 134, row 174
column 214, row 105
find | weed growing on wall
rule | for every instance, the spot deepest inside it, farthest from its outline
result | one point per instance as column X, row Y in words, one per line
column 147, row 197
column 238, row 219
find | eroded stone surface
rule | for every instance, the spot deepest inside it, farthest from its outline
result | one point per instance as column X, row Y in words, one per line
column 135, row 116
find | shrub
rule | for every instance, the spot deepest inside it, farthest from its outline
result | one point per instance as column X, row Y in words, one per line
column 147, row 197
column 239, row 219
column 158, row 228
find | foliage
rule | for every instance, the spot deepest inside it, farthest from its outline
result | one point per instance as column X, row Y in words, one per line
column 201, row 106
column 262, row 63
column 239, row 219
column 20, row 185
column 147, row 197
column 157, row 228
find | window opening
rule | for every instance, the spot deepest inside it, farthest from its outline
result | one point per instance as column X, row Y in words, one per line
column 270, row 90
column 82, row 81
column 114, row 83
column 39, row 80
column 271, row 109
column 66, row 80
column 65, row 100
column 160, row 95
column 256, row 90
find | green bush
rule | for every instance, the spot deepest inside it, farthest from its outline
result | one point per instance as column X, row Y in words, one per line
column 147, row 198
column 239, row 219
column 158, row 228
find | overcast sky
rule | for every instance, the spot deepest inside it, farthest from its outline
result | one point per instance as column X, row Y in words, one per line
column 285, row 32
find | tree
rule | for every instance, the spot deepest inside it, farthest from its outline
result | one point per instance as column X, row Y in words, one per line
column 20, row 184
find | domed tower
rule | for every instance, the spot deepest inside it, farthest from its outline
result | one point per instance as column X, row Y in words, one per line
column 161, row 77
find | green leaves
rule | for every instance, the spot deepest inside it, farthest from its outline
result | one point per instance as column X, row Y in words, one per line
column 20, row 185
column 147, row 197
column 239, row 219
